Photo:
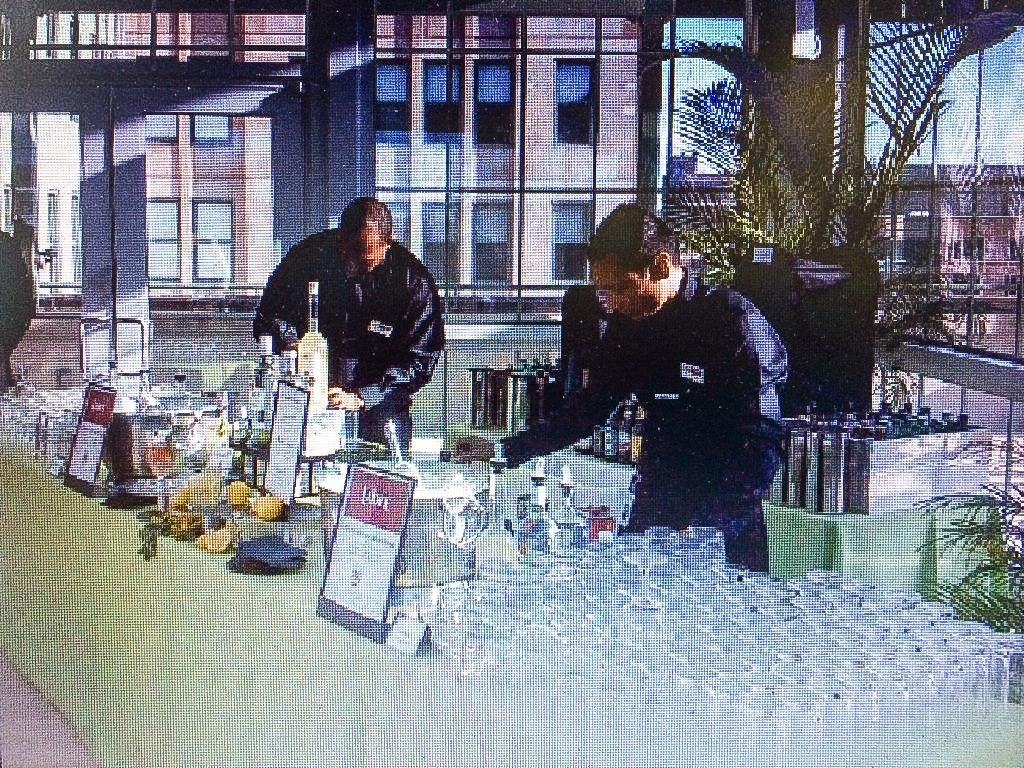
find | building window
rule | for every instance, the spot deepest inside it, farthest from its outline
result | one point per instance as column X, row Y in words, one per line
column 962, row 249
column 916, row 253
column 392, row 108
column 492, row 242
column 162, row 240
column 76, row 237
column 441, row 246
column 211, row 129
column 497, row 31
column 492, row 122
column 161, row 127
column 442, row 101
column 53, row 219
column 53, row 234
column 400, row 220
column 569, row 238
column 574, row 102
column 213, row 241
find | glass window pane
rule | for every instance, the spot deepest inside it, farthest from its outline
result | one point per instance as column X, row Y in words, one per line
column 572, row 83
column 494, row 83
column 213, row 221
column 492, row 242
column 435, row 83
column 164, row 261
column 162, row 220
column 40, row 176
column 161, row 127
column 213, row 262
column 392, row 82
column 571, row 222
column 211, row 127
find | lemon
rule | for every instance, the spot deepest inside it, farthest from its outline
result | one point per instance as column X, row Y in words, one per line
column 238, row 493
column 267, row 508
column 180, row 499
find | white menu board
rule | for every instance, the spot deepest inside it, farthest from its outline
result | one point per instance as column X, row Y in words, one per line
column 363, row 553
column 87, row 449
column 286, row 435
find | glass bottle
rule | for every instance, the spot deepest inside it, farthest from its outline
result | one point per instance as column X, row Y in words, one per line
column 312, row 356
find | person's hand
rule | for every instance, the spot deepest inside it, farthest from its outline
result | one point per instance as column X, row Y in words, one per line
column 343, row 399
column 473, row 448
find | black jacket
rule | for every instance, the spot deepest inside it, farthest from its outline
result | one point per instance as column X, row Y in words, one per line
column 705, row 370
column 384, row 328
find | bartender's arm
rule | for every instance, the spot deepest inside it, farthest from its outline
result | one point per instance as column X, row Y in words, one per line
column 574, row 420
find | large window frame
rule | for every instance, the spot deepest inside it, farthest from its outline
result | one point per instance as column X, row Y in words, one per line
column 442, row 111
column 200, row 241
column 569, row 242
column 493, row 115
column 163, row 241
column 393, row 116
column 575, row 113
column 525, row 163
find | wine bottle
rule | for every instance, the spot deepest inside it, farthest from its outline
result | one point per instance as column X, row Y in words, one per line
column 313, row 354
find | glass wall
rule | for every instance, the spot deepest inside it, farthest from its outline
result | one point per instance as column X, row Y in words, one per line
column 952, row 232
column 209, row 204
column 957, row 219
column 494, row 135
column 40, row 184
column 242, row 37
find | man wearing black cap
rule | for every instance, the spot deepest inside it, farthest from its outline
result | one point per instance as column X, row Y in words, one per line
column 703, row 363
column 379, row 311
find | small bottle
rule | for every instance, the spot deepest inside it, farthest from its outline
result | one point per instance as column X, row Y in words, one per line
column 598, row 447
column 637, row 435
column 611, row 434
column 162, row 495
column 625, row 440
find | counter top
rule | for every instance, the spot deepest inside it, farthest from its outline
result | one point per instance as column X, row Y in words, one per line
column 178, row 662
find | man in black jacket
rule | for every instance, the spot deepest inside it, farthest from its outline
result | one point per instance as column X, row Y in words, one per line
column 17, row 295
column 703, row 363
column 379, row 311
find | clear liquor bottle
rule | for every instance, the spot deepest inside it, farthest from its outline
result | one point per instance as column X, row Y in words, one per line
column 313, row 354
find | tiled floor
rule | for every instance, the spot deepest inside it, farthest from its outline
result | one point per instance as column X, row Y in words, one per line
column 32, row 733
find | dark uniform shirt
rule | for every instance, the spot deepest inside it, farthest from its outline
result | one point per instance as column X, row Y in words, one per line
column 17, row 302
column 704, row 367
column 384, row 328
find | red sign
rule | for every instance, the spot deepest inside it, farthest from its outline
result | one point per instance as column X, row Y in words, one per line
column 99, row 406
column 377, row 499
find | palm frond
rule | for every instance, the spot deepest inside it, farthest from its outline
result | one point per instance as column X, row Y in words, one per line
column 980, row 602
column 709, row 121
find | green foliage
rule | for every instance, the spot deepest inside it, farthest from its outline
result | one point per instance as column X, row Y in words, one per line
column 791, row 178
column 911, row 306
column 991, row 531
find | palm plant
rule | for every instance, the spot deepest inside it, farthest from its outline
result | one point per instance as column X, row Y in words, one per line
column 989, row 530
column 797, row 178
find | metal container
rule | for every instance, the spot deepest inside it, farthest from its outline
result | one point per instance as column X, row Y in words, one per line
column 478, row 396
column 833, row 464
column 796, row 476
column 813, row 485
column 895, row 475
column 496, row 414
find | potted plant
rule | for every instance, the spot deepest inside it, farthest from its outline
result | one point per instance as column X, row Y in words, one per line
column 789, row 180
